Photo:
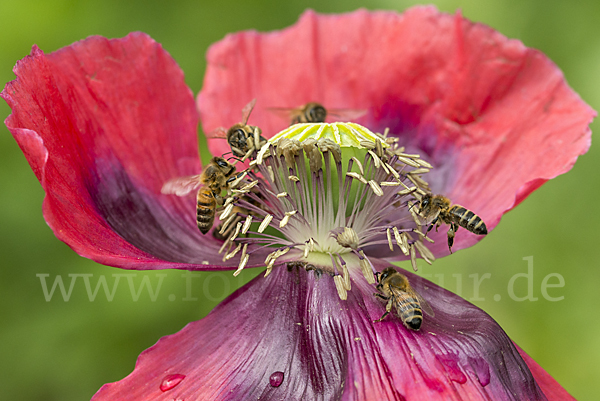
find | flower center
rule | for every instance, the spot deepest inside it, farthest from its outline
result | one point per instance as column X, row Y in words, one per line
column 324, row 195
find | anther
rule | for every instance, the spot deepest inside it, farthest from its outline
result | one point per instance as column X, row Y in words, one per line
column 357, row 176
column 313, row 155
column 408, row 162
column 393, row 171
column 367, row 271
column 327, row 145
column 262, row 153
column 265, row 223
column 233, row 253
column 389, row 238
column 413, row 258
column 360, row 166
column 286, row 218
column 376, row 188
column 425, row 252
column 341, row 289
column 376, row 159
column 226, row 212
column 347, row 238
column 247, row 224
column 243, row 263
column 238, row 227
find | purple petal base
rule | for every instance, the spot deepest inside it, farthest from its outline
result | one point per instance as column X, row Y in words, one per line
column 291, row 329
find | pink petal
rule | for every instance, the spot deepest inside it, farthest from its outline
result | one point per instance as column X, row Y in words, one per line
column 103, row 124
column 290, row 337
column 496, row 118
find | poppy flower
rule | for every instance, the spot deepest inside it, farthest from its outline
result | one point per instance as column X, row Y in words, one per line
column 105, row 124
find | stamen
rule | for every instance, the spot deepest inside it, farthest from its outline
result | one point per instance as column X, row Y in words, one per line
column 341, row 289
column 286, row 218
column 425, row 252
column 347, row 238
column 376, row 188
column 407, row 191
column 265, row 223
column 247, row 224
column 376, row 159
column 262, row 153
column 357, row 176
column 424, row 163
column 293, row 178
column 413, row 258
column 408, row 161
column 282, row 194
column 243, row 263
column 393, row 171
column 389, row 238
column 367, row 271
column 389, row 183
column 315, row 160
column 233, row 253
column 226, row 223
column 238, row 227
column 360, row 166
column 226, row 212
column 346, row 273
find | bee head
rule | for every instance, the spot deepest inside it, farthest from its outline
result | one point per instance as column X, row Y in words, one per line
column 317, row 113
column 425, row 201
column 386, row 273
column 237, row 135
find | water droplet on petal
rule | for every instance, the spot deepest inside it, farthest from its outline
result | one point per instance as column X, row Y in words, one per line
column 170, row 381
column 482, row 370
column 276, row 379
column 450, row 362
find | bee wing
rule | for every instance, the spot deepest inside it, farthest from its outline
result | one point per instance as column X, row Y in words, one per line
column 346, row 114
column 217, row 133
column 181, row 186
column 247, row 110
column 424, row 304
column 285, row 112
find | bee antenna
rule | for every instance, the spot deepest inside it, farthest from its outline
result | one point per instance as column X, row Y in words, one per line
column 233, row 158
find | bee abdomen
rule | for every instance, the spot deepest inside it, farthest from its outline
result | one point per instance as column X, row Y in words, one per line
column 467, row 219
column 205, row 212
column 411, row 315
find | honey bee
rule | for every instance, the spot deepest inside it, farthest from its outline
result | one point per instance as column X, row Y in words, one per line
column 209, row 184
column 395, row 289
column 314, row 112
column 438, row 209
column 243, row 139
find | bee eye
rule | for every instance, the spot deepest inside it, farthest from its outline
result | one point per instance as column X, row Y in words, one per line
column 222, row 163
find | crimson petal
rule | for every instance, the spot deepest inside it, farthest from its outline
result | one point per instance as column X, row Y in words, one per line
column 103, row 124
column 496, row 118
column 289, row 336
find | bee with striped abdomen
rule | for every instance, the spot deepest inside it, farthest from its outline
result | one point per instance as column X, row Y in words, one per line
column 437, row 209
column 209, row 184
column 243, row 139
column 395, row 288
column 314, row 112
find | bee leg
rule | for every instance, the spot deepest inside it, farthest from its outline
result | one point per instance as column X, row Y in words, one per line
column 381, row 296
column 382, row 317
column 451, row 234
column 433, row 224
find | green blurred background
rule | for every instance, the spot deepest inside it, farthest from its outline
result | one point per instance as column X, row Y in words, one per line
column 61, row 350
